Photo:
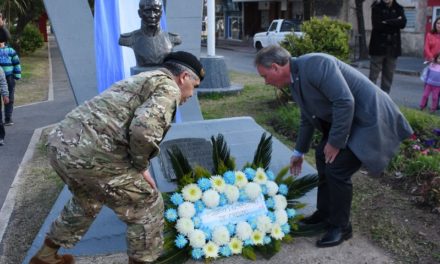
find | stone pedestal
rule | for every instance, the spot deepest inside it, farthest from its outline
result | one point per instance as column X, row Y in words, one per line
column 217, row 77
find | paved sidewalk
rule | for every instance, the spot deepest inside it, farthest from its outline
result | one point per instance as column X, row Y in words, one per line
column 30, row 117
column 407, row 65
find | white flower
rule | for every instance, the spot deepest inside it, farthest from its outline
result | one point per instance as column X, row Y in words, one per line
column 276, row 232
column 264, row 224
column 197, row 239
column 220, row 235
column 210, row 250
column 236, row 245
column 218, row 183
column 240, row 179
column 191, row 192
column 243, row 230
column 252, row 190
column 185, row 226
column 280, row 202
column 186, row 210
column 281, row 216
column 211, row 198
column 260, row 176
column 272, row 188
column 232, row 193
column 257, row 237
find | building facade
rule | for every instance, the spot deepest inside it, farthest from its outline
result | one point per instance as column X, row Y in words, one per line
column 239, row 20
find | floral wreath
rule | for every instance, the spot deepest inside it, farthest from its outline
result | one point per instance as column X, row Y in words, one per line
column 231, row 212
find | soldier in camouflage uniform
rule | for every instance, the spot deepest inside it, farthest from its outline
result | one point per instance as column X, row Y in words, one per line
column 101, row 150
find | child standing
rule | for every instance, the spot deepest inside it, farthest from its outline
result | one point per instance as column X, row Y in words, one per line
column 431, row 77
column 5, row 96
column 10, row 64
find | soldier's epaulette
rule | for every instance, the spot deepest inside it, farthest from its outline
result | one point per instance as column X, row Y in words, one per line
column 174, row 38
column 126, row 39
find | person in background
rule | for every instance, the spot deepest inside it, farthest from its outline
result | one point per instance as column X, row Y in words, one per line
column 4, row 32
column 4, row 94
column 431, row 77
column 388, row 18
column 432, row 41
column 432, row 44
column 10, row 62
column 360, row 124
column 102, row 151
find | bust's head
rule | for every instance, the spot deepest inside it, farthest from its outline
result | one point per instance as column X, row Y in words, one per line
column 150, row 12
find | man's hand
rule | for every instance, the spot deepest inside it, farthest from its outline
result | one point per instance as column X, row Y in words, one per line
column 149, row 179
column 296, row 165
column 5, row 100
column 330, row 153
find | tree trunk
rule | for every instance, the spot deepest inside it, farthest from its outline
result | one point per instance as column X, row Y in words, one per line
column 308, row 9
column 362, row 36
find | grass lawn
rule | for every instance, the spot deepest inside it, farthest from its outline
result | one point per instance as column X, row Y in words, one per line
column 33, row 87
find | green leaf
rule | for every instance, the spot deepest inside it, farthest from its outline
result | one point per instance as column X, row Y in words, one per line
column 180, row 164
column 263, row 154
column 249, row 253
column 174, row 257
column 281, row 174
column 288, row 239
column 300, row 186
column 221, row 155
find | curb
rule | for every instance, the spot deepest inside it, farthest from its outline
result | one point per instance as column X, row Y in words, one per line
column 9, row 204
column 361, row 65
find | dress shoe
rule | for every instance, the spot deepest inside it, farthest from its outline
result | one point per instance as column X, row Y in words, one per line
column 335, row 235
column 315, row 219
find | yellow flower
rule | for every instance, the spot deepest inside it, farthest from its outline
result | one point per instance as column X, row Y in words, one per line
column 210, row 250
column 277, row 233
column 236, row 245
column 218, row 183
column 257, row 237
column 260, row 176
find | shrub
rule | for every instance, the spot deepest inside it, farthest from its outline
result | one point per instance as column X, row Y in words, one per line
column 321, row 35
column 30, row 40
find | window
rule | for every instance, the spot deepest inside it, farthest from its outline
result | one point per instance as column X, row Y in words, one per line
column 289, row 25
column 410, row 13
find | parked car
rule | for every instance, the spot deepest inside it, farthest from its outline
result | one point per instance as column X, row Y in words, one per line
column 278, row 29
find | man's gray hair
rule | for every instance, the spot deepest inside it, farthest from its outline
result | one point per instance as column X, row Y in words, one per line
column 272, row 54
column 176, row 69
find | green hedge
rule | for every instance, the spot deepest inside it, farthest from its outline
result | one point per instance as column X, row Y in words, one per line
column 321, row 35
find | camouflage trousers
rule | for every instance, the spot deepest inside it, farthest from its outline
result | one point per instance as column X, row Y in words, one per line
column 125, row 192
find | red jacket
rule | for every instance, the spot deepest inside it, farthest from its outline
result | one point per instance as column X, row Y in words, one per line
column 432, row 45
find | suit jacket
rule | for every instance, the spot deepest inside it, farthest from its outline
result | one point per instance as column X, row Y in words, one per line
column 362, row 116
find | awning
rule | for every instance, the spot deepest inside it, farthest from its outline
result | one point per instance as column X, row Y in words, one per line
column 431, row 2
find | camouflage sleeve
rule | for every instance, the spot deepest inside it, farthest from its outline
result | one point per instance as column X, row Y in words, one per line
column 150, row 123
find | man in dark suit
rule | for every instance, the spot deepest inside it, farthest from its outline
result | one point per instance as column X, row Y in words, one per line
column 359, row 122
column 388, row 18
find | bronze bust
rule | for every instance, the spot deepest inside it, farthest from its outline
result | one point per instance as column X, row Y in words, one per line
column 149, row 43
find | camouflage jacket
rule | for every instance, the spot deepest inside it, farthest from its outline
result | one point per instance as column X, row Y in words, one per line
column 123, row 126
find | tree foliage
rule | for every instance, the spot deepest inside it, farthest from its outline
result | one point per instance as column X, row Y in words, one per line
column 321, row 35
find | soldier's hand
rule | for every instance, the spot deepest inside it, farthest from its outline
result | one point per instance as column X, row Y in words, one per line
column 147, row 176
column 5, row 100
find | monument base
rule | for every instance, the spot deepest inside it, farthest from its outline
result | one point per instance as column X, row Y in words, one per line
column 136, row 69
column 217, row 77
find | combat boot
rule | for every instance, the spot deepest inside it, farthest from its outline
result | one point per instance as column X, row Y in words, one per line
column 48, row 254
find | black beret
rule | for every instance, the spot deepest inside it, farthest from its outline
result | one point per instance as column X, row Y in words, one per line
column 188, row 60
